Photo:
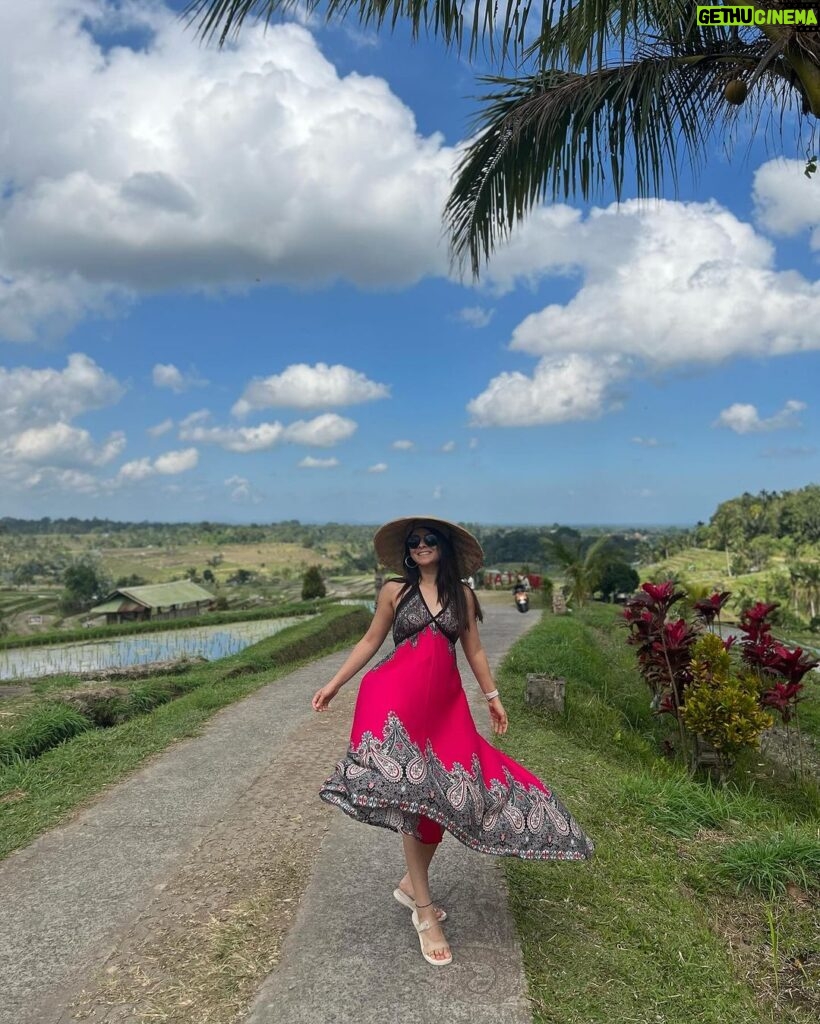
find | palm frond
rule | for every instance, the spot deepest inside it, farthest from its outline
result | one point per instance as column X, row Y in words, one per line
column 562, row 554
column 512, row 30
column 561, row 133
column 223, row 19
column 596, row 552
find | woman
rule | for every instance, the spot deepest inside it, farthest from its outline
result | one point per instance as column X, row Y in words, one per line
column 416, row 763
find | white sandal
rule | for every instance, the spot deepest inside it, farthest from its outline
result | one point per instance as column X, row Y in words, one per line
column 407, row 900
column 422, row 926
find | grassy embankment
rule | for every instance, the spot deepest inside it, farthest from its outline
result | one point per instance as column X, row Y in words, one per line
column 37, row 791
column 702, row 904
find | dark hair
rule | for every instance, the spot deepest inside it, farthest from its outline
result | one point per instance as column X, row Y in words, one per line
column 451, row 591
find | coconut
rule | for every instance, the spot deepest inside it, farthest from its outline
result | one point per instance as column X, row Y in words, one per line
column 735, row 91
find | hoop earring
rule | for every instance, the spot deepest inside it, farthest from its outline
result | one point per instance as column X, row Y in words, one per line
column 410, row 564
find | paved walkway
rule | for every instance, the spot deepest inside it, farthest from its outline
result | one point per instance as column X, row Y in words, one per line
column 87, row 904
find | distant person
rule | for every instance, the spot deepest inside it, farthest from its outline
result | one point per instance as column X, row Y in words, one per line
column 413, row 731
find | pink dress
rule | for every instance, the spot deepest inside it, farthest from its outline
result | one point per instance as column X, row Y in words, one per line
column 416, row 763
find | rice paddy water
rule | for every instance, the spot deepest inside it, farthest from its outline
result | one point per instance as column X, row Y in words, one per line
column 209, row 642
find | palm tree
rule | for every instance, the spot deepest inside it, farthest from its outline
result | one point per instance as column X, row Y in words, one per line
column 810, row 573
column 796, row 579
column 581, row 569
column 601, row 89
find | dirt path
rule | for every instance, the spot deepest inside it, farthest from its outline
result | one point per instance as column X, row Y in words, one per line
column 214, row 867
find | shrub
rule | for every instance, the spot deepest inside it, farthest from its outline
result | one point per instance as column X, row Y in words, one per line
column 723, row 706
column 312, row 584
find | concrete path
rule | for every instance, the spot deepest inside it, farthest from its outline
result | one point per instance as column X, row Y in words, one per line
column 91, row 898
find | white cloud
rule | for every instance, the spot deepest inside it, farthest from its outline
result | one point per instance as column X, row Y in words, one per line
column 60, row 444
column 710, row 278
column 160, row 428
column 786, row 201
column 63, row 480
column 39, row 445
column 473, row 443
column 172, row 463
column 448, row 446
column 310, row 387
column 308, row 462
column 646, row 442
column 574, row 387
column 663, row 285
column 475, row 316
column 403, row 446
column 137, row 469
column 33, row 398
column 166, row 375
column 241, row 490
column 379, row 467
column 321, row 432
column 234, row 439
column 193, row 418
column 438, row 490
column 745, row 419
column 182, row 165
column 168, row 464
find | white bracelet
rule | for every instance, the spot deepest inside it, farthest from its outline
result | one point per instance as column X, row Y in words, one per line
column 491, row 695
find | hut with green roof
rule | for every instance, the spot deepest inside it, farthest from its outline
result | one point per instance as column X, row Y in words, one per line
column 177, row 600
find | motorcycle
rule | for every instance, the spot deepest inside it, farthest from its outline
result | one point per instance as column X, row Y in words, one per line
column 522, row 598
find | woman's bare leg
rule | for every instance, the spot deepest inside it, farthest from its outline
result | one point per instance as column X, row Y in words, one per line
column 418, row 856
column 426, row 853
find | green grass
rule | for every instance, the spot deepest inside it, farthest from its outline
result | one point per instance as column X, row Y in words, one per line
column 667, row 923
column 36, row 794
column 770, row 863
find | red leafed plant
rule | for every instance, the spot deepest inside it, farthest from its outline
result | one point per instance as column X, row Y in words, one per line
column 664, row 650
column 781, row 669
column 710, row 608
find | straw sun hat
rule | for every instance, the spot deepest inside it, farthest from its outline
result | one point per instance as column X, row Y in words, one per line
column 389, row 542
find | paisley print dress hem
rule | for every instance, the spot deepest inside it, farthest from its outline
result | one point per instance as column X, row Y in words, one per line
column 416, row 763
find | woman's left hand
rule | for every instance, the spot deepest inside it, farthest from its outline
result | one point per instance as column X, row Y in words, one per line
column 498, row 716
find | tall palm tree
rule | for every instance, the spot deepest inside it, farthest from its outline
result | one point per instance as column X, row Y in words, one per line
column 582, row 570
column 810, row 573
column 598, row 90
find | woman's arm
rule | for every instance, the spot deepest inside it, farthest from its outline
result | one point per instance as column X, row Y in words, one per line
column 477, row 659
column 364, row 649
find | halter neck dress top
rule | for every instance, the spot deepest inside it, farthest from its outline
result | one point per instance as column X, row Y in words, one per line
column 416, row 763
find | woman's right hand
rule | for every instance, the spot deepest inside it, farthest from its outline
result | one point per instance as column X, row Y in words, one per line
column 323, row 697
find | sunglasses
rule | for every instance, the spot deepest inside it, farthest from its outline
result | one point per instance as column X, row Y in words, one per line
column 430, row 539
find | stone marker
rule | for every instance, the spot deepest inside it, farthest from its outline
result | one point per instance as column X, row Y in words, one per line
column 559, row 603
column 545, row 691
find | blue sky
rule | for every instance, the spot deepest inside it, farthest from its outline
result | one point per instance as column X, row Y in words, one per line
column 224, row 294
